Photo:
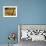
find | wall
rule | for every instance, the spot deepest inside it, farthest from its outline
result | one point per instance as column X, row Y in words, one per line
column 7, row 25
column 29, row 12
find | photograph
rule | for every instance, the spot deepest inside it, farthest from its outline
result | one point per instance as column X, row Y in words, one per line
column 9, row 11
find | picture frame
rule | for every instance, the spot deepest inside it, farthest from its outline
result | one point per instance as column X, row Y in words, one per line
column 9, row 11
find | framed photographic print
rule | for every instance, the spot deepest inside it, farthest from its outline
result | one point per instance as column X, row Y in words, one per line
column 9, row 11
